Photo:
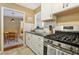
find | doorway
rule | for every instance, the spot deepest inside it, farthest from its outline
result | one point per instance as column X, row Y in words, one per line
column 12, row 28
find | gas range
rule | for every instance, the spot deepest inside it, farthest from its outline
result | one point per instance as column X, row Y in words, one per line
column 64, row 37
column 68, row 40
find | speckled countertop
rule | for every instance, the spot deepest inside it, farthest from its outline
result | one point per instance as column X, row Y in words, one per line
column 37, row 33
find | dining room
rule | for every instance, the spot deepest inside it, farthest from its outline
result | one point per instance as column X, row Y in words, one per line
column 12, row 29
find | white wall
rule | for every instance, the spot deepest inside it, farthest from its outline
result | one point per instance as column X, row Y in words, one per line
column 11, row 26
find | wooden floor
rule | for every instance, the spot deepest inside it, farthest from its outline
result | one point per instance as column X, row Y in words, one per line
column 23, row 50
column 13, row 47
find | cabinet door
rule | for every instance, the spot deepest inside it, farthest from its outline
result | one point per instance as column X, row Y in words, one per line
column 70, row 5
column 32, row 42
column 51, row 50
column 73, row 4
column 47, row 10
column 57, row 7
column 35, row 42
column 28, row 39
column 38, row 45
column 29, row 42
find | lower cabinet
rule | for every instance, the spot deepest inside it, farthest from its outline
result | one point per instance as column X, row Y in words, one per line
column 35, row 42
column 28, row 40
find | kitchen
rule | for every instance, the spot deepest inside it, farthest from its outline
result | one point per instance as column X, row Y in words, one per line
column 58, row 34
column 51, row 28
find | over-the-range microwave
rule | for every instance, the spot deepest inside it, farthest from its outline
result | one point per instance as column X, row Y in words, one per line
column 70, row 28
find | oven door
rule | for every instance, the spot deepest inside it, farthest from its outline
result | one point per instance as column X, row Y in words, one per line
column 51, row 50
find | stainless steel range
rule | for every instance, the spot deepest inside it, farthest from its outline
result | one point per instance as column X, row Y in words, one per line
column 66, row 38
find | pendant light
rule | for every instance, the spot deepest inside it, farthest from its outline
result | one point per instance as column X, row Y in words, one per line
column 13, row 20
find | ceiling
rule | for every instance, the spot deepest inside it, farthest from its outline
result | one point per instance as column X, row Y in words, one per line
column 30, row 5
column 12, row 13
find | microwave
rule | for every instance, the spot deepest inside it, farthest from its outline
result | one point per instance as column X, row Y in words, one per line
column 67, row 28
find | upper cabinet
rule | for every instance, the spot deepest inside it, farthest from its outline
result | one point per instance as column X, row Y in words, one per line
column 68, row 10
column 73, row 4
column 47, row 10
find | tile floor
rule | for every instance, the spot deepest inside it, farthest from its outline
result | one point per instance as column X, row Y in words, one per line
column 19, row 51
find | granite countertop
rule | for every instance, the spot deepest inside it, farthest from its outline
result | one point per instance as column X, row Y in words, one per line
column 37, row 33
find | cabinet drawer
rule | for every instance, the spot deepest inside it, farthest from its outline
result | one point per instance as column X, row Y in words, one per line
column 39, row 38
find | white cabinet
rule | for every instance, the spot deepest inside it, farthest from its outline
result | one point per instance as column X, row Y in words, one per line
column 47, row 10
column 28, row 39
column 69, row 5
column 73, row 4
column 38, row 44
column 35, row 42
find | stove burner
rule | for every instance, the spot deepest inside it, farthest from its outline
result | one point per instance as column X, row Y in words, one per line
column 65, row 37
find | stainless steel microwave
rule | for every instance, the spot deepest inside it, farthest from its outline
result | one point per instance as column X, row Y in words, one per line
column 67, row 28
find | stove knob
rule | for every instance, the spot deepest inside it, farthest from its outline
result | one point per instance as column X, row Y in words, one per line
column 59, row 44
column 51, row 42
column 71, row 48
column 48, row 41
column 77, row 50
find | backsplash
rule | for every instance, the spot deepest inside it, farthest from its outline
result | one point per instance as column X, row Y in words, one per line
column 46, row 24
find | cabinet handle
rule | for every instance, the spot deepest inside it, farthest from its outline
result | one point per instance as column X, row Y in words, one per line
column 39, row 45
column 38, row 38
column 28, row 38
column 50, row 15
